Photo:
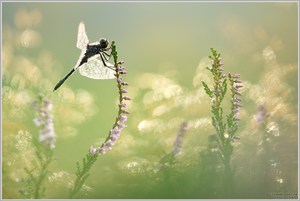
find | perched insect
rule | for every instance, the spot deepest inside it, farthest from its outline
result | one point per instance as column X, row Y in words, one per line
column 92, row 62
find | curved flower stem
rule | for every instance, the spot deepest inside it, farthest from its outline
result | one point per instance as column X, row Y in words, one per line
column 83, row 171
column 121, row 118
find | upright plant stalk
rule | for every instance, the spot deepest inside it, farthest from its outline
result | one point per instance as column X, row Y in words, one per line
column 33, row 185
column 82, row 171
column 266, row 159
column 226, row 130
column 232, row 124
column 169, row 159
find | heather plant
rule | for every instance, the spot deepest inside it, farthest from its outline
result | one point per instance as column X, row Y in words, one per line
column 225, row 128
column 271, row 131
column 261, row 118
column 169, row 159
column 83, row 169
column 28, row 152
column 269, row 174
column 168, row 171
column 33, row 185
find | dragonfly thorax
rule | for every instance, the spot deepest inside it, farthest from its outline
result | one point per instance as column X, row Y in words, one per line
column 103, row 43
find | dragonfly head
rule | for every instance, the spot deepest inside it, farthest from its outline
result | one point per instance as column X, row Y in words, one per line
column 103, row 43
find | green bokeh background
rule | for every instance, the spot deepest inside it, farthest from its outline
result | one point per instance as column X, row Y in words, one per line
column 157, row 41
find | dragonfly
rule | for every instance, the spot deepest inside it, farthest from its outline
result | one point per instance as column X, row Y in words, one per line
column 92, row 62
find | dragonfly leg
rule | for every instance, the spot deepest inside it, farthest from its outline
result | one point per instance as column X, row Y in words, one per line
column 106, row 54
column 101, row 56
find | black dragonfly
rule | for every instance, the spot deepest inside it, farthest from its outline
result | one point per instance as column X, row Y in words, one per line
column 92, row 62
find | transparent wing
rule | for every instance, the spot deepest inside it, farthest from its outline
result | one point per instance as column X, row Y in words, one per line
column 82, row 39
column 95, row 69
column 80, row 58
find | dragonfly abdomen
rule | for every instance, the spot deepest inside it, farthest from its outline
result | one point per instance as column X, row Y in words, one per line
column 63, row 80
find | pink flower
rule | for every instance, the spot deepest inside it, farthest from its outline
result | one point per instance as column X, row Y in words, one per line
column 123, row 105
column 123, row 91
column 44, row 119
column 119, row 80
column 126, row 98
column 37, row 121
column 123, row 118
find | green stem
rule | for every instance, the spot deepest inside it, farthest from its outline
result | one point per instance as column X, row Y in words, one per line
column 42, row 176
column 83, row 174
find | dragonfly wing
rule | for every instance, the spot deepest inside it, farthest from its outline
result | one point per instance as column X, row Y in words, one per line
column 82, row 39
column 95, row 69
column 80, row 58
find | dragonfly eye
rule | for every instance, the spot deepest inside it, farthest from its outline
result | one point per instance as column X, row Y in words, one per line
column 103, row 42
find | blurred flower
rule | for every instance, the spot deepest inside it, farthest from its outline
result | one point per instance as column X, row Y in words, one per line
column 261, row 114
column 179, row 138
column 44, row 118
